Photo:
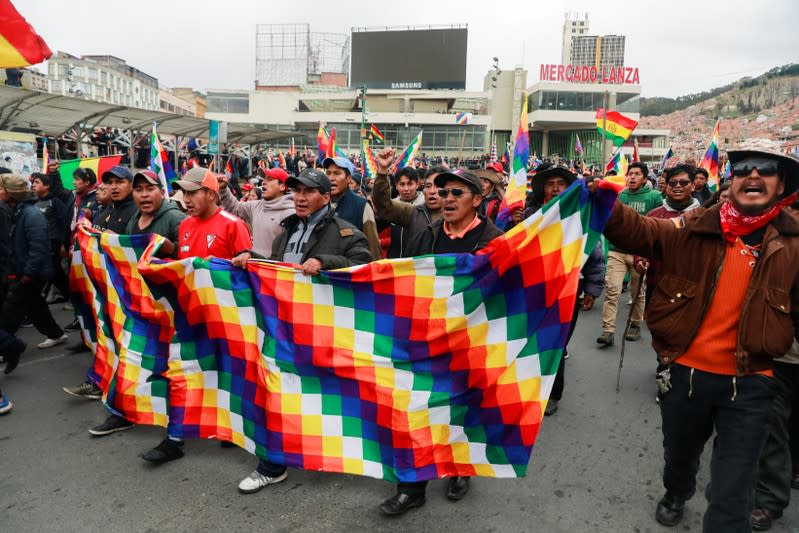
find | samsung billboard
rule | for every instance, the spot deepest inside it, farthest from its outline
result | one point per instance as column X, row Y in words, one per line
column 409, row 59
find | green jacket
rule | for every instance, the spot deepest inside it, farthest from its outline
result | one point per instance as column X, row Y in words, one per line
column 643, row 201
column 165, row 222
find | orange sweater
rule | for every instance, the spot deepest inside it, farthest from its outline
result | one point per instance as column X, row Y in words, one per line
column 713, row 348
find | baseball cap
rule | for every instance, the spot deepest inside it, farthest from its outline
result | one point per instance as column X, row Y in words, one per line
column 341, row 162
column 118, row 171
column 149, row 176
column 464, row 176
column 197, row 178
column 275, row 173
column 311, row 177
column 496, row 166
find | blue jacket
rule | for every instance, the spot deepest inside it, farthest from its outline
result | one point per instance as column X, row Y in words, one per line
column 593, row 272
column 30, row 243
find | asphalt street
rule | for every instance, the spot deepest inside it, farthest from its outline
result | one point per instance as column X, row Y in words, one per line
column 596, row 465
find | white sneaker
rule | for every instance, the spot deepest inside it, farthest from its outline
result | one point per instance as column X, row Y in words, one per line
column 49, row 343
column 255, row 482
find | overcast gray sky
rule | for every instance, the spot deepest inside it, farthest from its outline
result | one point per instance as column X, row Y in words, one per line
column 680, row 46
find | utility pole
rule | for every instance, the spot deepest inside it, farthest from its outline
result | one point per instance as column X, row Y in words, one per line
column 364, row 113
column 603, row 140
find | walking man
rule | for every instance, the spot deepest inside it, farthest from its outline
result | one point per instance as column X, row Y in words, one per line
column 726, row 305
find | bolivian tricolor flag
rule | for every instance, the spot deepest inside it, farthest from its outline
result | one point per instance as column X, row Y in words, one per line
column 98, row 164
column 618, row 127
column 20, row 46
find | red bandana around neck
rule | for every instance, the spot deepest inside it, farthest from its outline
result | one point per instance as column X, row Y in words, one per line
column 735, row 224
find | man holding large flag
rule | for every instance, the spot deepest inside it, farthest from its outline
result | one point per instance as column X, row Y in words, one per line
column 460, row 230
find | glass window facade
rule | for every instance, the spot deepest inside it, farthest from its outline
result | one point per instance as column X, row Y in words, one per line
column 435, row 139
column 580, row 101
column 228, row 103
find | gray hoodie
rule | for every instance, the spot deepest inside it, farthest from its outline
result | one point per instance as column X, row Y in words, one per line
column 263, row 216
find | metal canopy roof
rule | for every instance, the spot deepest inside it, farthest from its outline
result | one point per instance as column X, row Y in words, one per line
column 52, row 115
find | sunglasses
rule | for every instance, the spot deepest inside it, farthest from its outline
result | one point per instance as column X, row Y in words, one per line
column 765, row 167
column 681, row 183
column 457, row 193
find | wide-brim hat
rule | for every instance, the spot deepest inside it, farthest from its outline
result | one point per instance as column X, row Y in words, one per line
column 490, row 175
column 768, row 149
column 541, row 177
column 15, row 186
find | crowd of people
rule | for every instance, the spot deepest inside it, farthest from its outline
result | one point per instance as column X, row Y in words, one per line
column 713, row 273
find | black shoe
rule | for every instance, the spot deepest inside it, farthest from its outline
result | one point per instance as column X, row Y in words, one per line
column 112, row 424
column 73, row 326
column 552, row 406
column 12, row 356
column 167, row 450
column 78, row 348
column 669, row 510
column 457, row 488
column 401, row 503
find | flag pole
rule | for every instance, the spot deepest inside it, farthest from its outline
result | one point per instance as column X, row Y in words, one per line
column 604, row 127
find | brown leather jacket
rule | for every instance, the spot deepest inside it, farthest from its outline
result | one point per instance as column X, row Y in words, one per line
column 691, row 251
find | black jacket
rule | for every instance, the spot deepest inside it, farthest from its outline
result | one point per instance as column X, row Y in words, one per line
column 6, row 223
column 334, row 242
column 425, row 242
column 116, row 216
column 31, row 254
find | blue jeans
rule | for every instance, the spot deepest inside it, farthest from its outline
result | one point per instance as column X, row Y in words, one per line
column 738, row 410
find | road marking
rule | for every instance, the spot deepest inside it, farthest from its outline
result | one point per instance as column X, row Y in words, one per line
column 42, row 360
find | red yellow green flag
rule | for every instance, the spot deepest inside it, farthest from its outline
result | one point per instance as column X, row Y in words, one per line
column 617, row 128
column 98, row 164
column 20, row 46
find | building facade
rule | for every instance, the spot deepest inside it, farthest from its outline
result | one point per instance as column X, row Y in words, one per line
column 172, row 103
column 600, row 51
column 573, row 27
column 105, row 79
column 560, row 112
column 399, row 114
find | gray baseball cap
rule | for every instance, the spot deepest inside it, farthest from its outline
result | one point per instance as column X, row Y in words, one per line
column 465, row 176
column 311, row 177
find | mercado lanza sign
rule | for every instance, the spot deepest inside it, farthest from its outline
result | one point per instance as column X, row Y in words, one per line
column 590, row 74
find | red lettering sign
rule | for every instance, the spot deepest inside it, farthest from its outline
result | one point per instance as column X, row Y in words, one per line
column 590, row 74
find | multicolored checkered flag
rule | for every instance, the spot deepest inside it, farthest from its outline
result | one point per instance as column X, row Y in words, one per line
column 407, row 369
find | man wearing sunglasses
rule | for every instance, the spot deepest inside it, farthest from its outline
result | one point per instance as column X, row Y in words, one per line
column 461, row 229
column 725, row 306
column 679, row 199
column 410, row 219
